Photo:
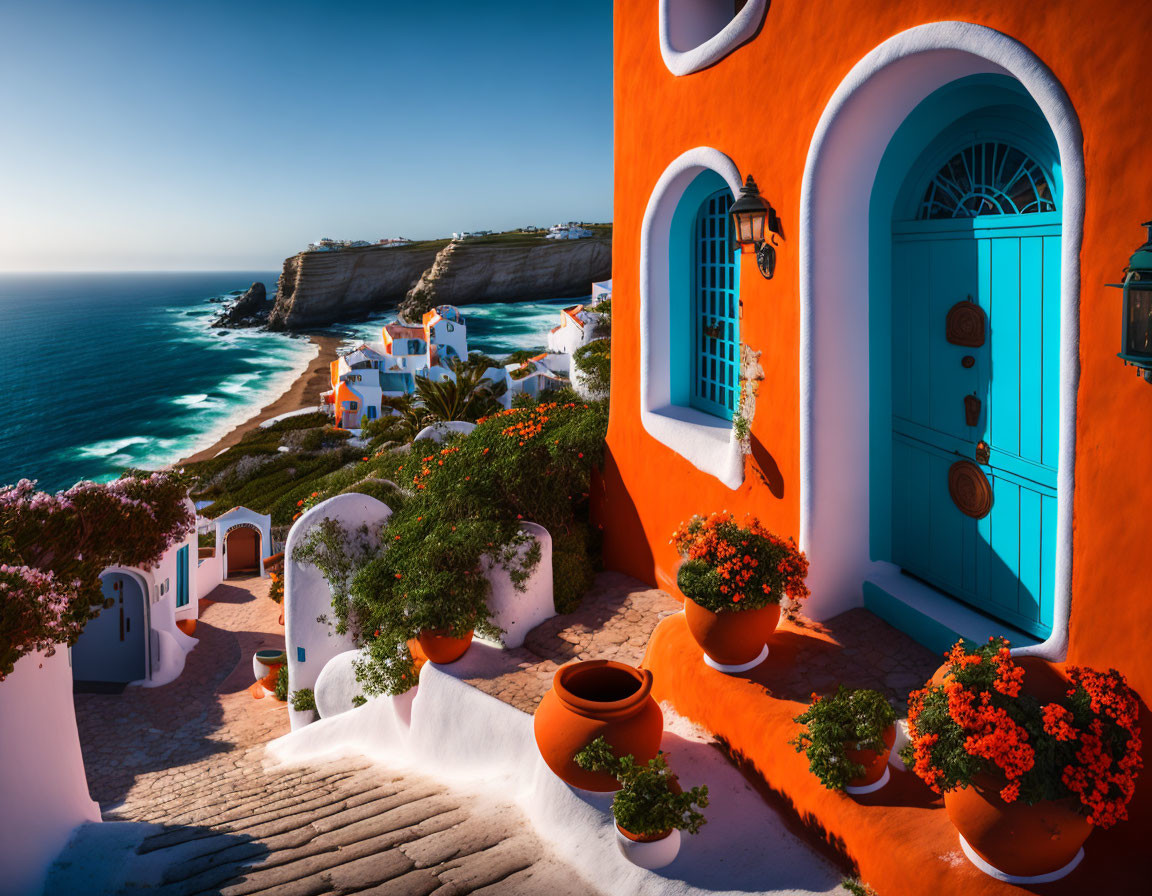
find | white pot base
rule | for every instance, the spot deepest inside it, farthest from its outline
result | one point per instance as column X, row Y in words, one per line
column 993, row 871
column 655, row 854
column 870, row 788
column 742, row 667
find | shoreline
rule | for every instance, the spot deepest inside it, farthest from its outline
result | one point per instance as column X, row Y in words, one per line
column 304, row 392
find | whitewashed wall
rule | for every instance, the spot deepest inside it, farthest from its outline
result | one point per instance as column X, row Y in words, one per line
column 307, row 595
column 515, row 611
column 43, row 791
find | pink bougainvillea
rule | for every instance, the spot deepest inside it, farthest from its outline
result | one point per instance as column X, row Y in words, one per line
column 53, row 548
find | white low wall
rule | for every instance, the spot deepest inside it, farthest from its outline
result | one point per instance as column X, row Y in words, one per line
column 310, row 644
column 43, row 791
column 209, row 574
column 477, row 743
column 518, row 612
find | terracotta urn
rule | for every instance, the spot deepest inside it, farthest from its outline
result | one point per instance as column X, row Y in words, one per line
column 187, row 626
column 875, row 764
column 733, row 641
column 1015, row 839
column 438, row 646
column 649, row 851
column 595, row 698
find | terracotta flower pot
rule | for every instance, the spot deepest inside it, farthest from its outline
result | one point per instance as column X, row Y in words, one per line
column 187, row 626
column 648, row 850
column 737, row 640
column 591, row 699
column 875, row 765
column 437, row 646
column 1017, row 840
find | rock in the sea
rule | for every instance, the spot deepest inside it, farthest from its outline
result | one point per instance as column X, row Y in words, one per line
column 250, row 310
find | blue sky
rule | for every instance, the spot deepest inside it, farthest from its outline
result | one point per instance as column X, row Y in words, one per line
column 170, row 135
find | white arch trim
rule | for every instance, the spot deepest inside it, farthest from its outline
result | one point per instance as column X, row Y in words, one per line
column 707, row 442
column 854, row 130
column 683, row 22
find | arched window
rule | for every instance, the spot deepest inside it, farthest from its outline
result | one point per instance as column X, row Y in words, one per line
column 715, row 308
column 987, row 178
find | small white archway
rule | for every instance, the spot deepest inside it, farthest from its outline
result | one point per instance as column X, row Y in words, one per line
column 847, row 147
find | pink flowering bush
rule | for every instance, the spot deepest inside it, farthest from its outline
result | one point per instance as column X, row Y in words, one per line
column 53, row 548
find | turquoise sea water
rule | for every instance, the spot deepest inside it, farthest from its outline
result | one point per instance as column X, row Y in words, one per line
column 103, row 371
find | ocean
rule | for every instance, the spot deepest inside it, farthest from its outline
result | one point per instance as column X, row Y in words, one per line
column 99, row 372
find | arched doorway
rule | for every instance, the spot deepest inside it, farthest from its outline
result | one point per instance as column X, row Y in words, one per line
column 975, row 334
column 113, row 646
column 848, row 205
column 242, row 550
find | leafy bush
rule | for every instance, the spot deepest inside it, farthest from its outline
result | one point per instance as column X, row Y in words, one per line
column 849, row 719
column 730, row 567
column 464, row 502
column 281, row 690
column 594, row 361
column 303, row 700
column 648, row 802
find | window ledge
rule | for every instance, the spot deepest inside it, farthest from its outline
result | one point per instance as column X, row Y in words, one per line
column 704, row 441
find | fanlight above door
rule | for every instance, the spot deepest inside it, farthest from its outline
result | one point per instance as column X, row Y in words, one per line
column 987, row 178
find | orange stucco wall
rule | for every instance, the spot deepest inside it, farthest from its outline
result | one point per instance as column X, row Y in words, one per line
column 760, row 105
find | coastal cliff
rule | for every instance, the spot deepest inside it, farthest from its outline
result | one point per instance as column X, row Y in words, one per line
column 502, row 269
column 320, row 288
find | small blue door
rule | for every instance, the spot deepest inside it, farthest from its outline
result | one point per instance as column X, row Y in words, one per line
column 986, row 234
column 112, row 645
column 182, row 577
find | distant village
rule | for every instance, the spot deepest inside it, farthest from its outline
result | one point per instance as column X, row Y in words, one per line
column 570, row 230
column 364, row 379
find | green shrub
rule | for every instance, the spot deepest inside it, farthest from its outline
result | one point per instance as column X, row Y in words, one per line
column 849, row 719
column 646, row 802
column 281, row 690
column 465, row 501
column 303, row 700
column 594, row 361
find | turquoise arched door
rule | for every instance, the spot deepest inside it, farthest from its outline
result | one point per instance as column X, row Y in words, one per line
column 112, row 646
column 715, row 313
column 975, row 379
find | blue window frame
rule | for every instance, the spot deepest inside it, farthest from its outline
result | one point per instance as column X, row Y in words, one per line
column 715, row 310
column 182, row 577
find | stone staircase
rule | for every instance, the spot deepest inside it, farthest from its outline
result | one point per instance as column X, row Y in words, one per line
column 237, row 825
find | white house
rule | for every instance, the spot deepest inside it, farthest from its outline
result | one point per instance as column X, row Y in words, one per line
column 138, row 636
column 601, row 292
column 569, row 231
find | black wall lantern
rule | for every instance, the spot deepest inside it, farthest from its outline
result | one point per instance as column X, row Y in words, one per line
column 755, row 224
column 1136, row 341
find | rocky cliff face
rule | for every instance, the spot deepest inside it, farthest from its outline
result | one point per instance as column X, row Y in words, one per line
column 319, row 288
column 509, row 270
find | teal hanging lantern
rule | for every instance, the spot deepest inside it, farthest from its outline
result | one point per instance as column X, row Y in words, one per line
column 1136, row 339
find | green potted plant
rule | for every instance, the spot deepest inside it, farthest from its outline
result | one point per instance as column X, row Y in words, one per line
column 650, row 808
column 848, row 738
column 1029, row 756
column 304, row 701
column 733, row 579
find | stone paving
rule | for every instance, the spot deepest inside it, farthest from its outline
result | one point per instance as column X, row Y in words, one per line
column 617, row 618
column 183, row 765
column 614, row 621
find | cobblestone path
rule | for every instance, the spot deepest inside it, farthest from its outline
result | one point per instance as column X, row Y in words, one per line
column 182, row 768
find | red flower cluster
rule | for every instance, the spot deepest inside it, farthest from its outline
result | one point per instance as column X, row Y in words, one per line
column 749, row 560
column 425, row 465
column 528, row 422
column 1089, row 742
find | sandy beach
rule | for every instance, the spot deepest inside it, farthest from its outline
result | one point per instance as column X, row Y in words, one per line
column 303, row 393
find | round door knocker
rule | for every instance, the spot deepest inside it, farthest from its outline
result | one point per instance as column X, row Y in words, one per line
column 970, row 489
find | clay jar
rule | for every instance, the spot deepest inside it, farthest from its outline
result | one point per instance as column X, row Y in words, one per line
column 1016, row 838
column 731, row 638
column 595, row 698
column 438, row 646
column 874, row 763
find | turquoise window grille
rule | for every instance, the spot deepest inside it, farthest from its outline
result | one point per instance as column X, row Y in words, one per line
column 715, row 310
column 182, row 577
